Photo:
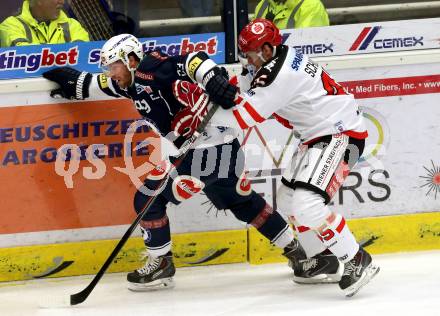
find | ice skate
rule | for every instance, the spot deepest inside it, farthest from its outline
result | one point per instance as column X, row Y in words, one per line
column 157, row 273
column 322, row 268
column 294, row 252
column 357, row 272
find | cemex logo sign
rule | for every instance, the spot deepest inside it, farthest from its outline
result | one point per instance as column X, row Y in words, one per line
column 309, row 49
column 368, row 34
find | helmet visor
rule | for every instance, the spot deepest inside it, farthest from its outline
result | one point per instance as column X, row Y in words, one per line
column 113, row 68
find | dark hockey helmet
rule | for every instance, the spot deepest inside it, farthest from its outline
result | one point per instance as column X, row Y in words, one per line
column 256, row 33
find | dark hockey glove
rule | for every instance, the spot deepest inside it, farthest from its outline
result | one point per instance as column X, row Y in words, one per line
column 224, row 72
column 219, row 89
column 74, row 84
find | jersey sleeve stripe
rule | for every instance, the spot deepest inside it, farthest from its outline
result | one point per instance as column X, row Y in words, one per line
column 282, row 121
column 234, row 81
column 341, row 225
column 240, row 120
column 254, row 114
column 302, row 229
column 238, row 100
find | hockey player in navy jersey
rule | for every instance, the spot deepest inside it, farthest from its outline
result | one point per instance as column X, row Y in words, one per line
column 300, row 94
column 160, row 89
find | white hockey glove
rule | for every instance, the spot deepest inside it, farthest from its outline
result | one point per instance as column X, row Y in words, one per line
column 74, row 84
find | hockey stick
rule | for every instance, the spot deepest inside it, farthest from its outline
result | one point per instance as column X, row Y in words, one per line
column 80, row 297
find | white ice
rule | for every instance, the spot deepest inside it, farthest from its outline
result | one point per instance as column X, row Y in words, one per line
column 408, row 284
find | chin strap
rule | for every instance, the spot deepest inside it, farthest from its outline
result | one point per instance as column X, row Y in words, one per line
column 132, row 71
column 274, row 49
column 260, row 55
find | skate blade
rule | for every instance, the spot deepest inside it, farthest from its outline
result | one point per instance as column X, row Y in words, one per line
column 318, row 279
column 321, row 278
column 161, row 284
column 369, row 273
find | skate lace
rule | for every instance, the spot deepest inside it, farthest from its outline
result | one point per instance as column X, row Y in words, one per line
column 310, row 264
column 350, row 267
column 151, row 264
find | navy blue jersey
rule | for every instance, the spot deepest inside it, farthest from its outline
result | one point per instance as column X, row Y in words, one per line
column 152, row 89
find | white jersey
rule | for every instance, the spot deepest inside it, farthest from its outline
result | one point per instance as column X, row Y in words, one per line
column 301, row 95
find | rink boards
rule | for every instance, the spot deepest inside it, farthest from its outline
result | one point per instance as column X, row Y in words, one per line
column 391, row 197
column 378, row 235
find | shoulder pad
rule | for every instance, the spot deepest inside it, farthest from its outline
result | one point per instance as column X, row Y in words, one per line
column 269, row 71
column 156, row 69
column 152, row 60
column 158, row 54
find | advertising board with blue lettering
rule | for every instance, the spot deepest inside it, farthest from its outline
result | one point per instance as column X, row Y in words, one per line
column 31, row 61
column 364, row 38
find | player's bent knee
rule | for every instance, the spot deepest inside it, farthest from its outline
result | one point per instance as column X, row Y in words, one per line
column 156, row 210
column 139, row 201
column 248, row 210
column 285, row 199
column 309, row 208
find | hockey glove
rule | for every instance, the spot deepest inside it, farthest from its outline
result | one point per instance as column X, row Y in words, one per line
column 195, row 100
column 219, row 89
column 74, row 84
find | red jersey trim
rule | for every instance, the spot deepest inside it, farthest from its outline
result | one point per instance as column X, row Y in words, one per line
column 357, row 135
column 302, row 229
column 254, row 114
column 282, row 121
column 239, row 119
column 341, row 225
column 352, row 134
column 234, row 81
column 238, row 100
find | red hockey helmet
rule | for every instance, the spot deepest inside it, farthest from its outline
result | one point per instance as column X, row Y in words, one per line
column 256, row 33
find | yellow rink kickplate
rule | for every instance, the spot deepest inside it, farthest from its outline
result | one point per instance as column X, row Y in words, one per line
column 384, row 234
column 68, row 259
column 378, row 234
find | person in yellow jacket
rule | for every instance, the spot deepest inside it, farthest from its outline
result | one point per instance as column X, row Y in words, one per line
column 41, row 22
column 289, row 14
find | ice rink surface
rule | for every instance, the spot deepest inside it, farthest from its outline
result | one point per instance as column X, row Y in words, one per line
column 408, row 284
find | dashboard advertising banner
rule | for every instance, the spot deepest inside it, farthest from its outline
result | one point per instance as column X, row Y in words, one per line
column 365, row 37
column 31, row 61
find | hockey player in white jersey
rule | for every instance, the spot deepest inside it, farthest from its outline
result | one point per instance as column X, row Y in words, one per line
column 301, row 95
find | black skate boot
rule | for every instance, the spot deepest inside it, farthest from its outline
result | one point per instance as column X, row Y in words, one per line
column 322, row 268
column 295, row 253
column 357, row 272
column 157, row 272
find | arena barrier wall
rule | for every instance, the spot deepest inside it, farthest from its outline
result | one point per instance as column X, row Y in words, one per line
column 48, row 230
